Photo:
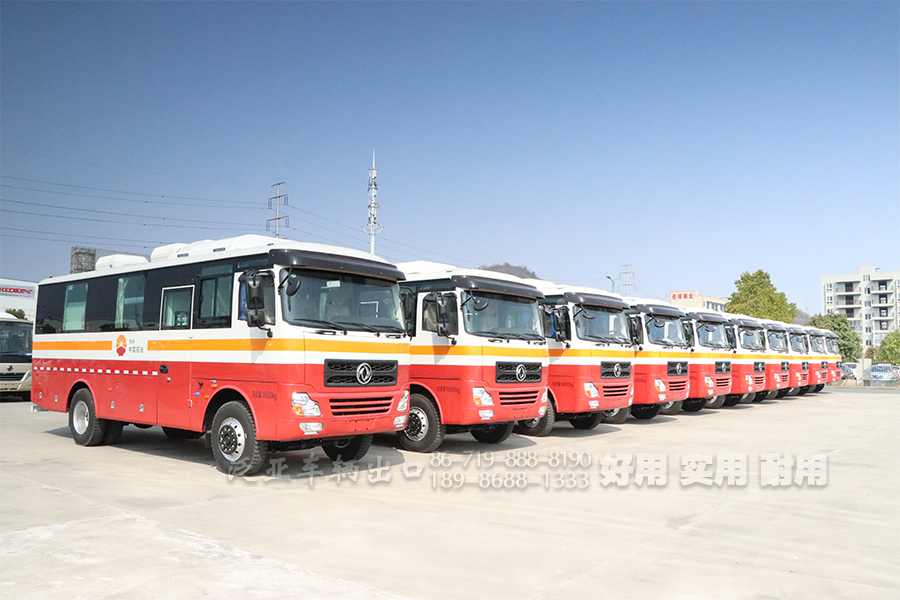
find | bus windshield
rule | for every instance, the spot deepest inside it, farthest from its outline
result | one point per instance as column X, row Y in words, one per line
column 751, row 339
column 798, row 343
column 340, row 301
column 712, row 335
column 832, row 346
column 777, row 341
column 499, row 315
column 15, row 341
column 597, row 324
column 665, row 331
column 817, row 343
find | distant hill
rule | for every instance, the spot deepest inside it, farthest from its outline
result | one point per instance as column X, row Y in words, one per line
column 520, row 271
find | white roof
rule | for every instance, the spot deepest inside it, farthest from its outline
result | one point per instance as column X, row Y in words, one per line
column 423, row 270
column 553, row 289
column 634, row 301
column 243, row 245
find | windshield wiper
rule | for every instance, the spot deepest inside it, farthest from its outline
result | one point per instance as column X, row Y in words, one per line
column 356, row 325
column 321, row 323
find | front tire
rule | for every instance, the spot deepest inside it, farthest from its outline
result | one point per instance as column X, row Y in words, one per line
column 353, row 449
column 588, row 421
column 645, row 412
column 86, row 428
column 716, row 402
column 733, row 399
column 616, row 416
column 693, row 404
column 782, row 392
column 671, row 408
column 424, row 431
column 234, row 443
column 540, row 426
column 495, row 434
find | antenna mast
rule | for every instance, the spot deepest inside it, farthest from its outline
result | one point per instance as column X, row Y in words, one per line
column 277, row 200
column 372, row 227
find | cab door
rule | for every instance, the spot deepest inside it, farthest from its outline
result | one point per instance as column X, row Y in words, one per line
column 174, row 397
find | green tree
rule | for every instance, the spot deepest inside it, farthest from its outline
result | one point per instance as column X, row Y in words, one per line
column 16, row 312
column 889, row 351
column 849, row 342
column 870, row 352
column 757, row 297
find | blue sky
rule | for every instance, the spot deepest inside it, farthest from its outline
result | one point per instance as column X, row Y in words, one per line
column 691, row 140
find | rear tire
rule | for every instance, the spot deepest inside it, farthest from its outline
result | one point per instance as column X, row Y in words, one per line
column 113, row 432
column 716, row 402
column 645, row 412
column 588, row 421
column 495, row 434
column 424, row 431
column 234, row 443
column 616, row 416
column 181, row 434
column 86, row 428
column 540, row 426
column 693, row 404
column 671, row 408
column 353, row 449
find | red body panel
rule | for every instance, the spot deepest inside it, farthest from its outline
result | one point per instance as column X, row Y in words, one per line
column 645, row 392
column 699, row 372
column 567, row 385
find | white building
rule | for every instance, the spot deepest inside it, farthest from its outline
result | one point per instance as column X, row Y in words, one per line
column 695, row 299
column 18, row 294
column 868, row 298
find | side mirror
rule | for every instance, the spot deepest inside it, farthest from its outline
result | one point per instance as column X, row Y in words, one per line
column 688, row 332
column 447, row 321
column 256, row 300
column 561, row 324
column 637, row 332
column 408, row 305
column 729, row 335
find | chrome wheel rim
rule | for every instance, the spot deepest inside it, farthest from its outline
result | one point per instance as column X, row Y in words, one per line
column 232, row 439
column 80, row 417
column 417, row 424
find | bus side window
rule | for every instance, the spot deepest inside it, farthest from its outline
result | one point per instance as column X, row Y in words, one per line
column 429, row 313
column 215, row 301
column 73, row 309
column 176, row 307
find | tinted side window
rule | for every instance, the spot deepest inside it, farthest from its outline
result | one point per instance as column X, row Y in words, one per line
column 100, row 312
column 49, row 310
column 176, row 308
column 429, row 314
column 130, row 302
column 74, row 307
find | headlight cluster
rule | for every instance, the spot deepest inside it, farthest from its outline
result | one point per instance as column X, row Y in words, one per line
column 304, row 406
column 481, row 397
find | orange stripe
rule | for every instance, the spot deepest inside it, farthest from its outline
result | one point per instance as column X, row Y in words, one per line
column 648, row 354
column 569, row 353
column 477, row 351
column 72, row 345
column 277, row 345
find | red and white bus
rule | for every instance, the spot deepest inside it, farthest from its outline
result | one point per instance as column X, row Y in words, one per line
column 798, row 362
column 478, row 359
column 777, row 360
column 818, row 359
column 264, row 344
column 748, row 365
column 834, row 356
column 590, row 377
column 661, row 360
column 710, row 361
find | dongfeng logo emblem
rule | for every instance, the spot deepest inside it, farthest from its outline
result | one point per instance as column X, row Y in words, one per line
column 364, row 374
column 9, row 367
column 521, row 373
column 678, row 368
column 617, row 370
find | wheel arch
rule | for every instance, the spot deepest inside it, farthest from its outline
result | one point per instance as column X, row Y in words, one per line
column 80, row 385
column 219, row 399
column 418, row 388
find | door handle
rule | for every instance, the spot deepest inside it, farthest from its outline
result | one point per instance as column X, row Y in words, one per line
column 163, row 369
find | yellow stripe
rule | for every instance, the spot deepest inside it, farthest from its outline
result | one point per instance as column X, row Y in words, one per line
column 477, row 351
column 72, row 345
column 648, row 354
column 571, row 353
column 276, row 345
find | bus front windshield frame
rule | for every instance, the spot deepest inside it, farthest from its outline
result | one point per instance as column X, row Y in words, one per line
column 665, row 331
column 751, row 339
column 340, row 301
column 777, row 341
column 600, row 324
column 832, row 345
column 817, row 343
column 15, row 341
column 712, row 335
column 489, row 314
column 799, row 343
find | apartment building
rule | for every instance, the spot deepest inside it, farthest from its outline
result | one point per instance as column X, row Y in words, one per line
column 868, row 298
